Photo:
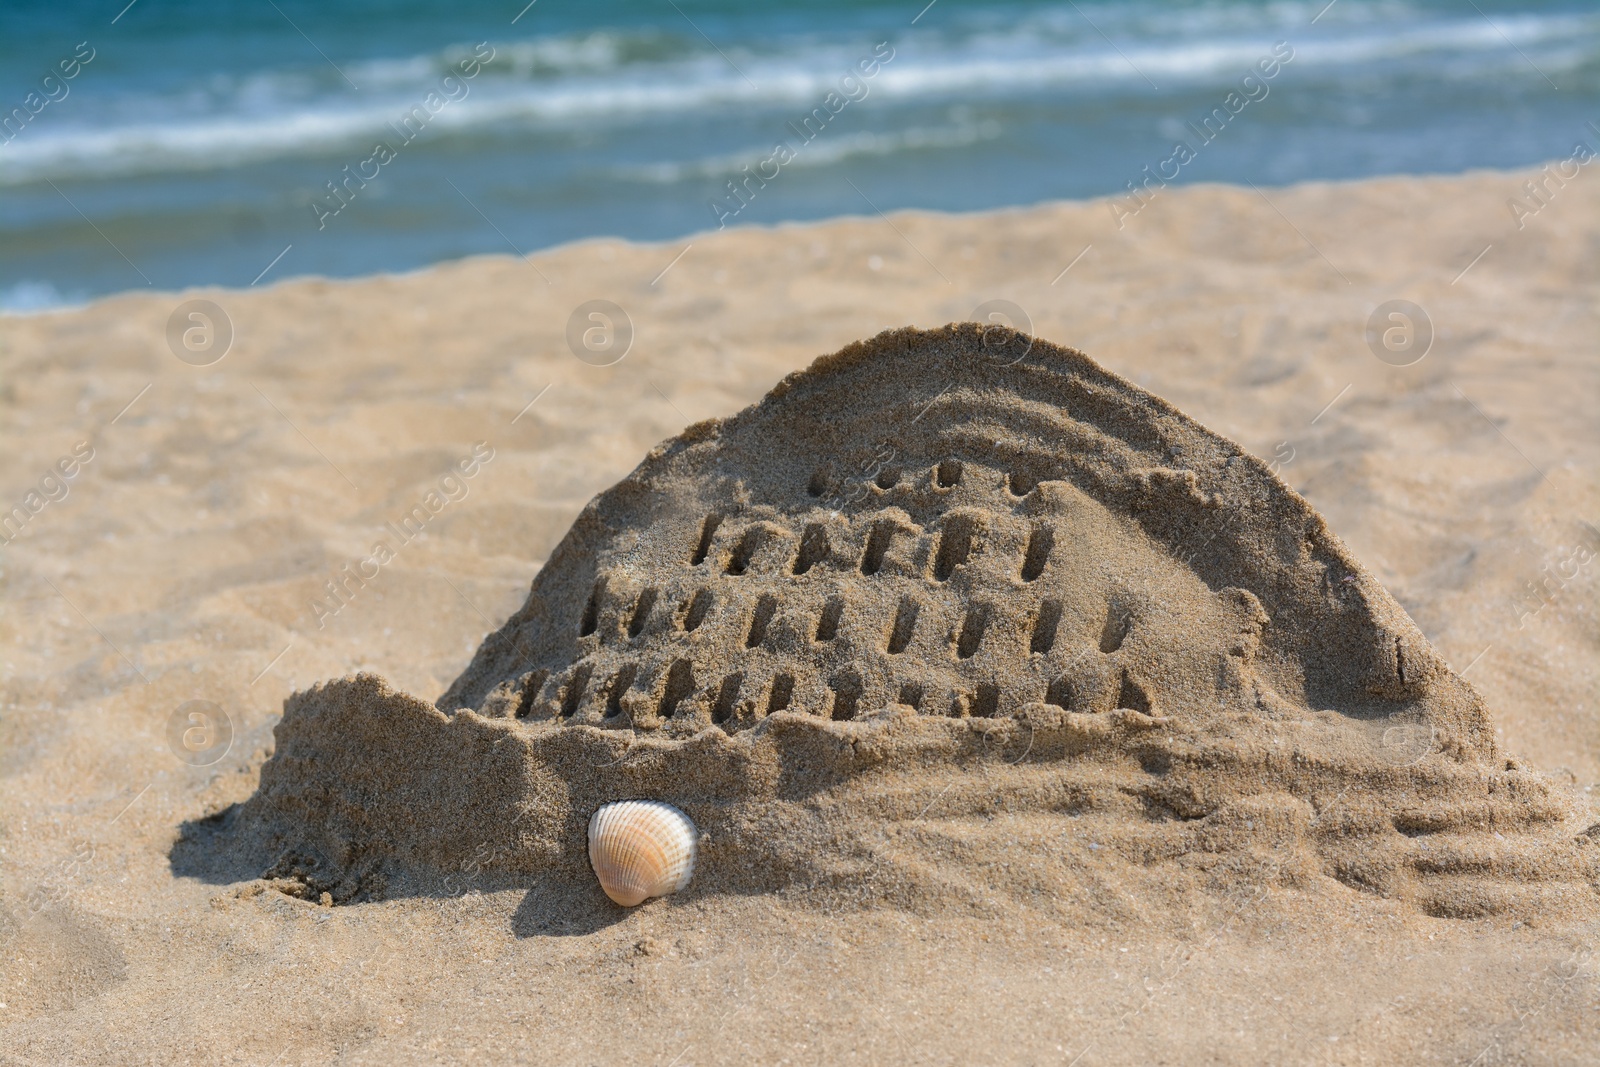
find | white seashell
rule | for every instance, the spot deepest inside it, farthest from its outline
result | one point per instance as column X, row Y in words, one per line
column 641, row 849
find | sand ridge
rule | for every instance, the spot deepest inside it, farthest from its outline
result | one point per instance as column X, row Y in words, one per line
column 796, row 622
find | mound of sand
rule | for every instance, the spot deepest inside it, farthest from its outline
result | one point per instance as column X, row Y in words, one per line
column 946, row 600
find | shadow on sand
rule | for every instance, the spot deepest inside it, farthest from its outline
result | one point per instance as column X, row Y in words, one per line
column 222, row 849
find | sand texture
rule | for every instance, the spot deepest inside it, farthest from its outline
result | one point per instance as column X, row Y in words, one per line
column 1027, row 714
column 1051, row 586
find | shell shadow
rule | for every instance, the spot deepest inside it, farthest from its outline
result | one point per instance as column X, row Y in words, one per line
column 564, row 908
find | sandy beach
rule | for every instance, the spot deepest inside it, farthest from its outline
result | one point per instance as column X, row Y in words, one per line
column 187, row 555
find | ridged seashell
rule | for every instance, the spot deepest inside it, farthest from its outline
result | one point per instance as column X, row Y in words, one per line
column 641, row 849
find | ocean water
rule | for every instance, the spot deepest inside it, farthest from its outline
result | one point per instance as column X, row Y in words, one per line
column 222, row 142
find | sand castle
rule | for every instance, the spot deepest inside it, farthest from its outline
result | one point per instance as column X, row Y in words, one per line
column 949, row 597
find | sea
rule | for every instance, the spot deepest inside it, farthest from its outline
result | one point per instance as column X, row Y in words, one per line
column 173, row 143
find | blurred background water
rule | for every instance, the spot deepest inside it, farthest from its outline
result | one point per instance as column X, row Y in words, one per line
column 192, row 148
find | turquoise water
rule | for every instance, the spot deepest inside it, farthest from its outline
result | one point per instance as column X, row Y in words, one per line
column 199, row 143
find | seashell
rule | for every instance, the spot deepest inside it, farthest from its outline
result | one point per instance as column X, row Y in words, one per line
column 641, row 849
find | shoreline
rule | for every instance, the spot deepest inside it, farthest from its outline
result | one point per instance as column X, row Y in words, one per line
column 1515, row 176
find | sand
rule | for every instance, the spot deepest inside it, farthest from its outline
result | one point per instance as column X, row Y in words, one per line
column 189, row 560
